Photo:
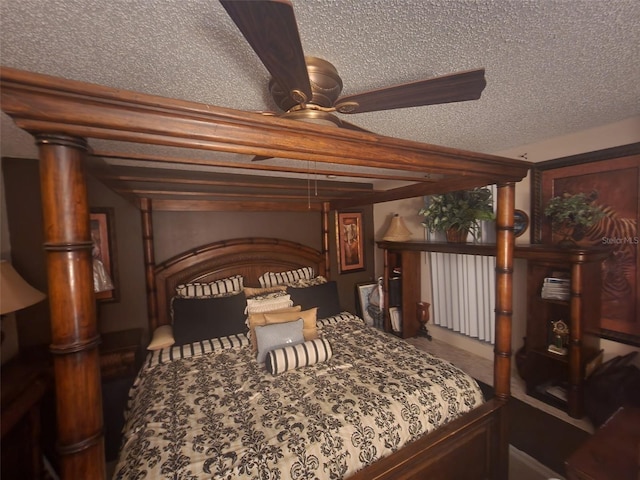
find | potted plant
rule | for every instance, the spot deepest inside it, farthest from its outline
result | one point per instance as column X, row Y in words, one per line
column 458, row 213
column 571, row 215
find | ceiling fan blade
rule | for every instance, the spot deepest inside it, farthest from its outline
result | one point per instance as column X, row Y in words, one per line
column 456, row 87
column 270, row 28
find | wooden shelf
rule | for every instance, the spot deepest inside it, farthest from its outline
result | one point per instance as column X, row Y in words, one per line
column 525, row 251
column 564, row 303
column 581, row 312
column 554, row 356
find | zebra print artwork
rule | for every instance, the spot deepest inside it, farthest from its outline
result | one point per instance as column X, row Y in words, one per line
column 610, row 178
column 619, row 269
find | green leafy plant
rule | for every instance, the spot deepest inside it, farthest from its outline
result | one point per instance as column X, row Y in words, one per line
column 572, row 214
column 460, row 210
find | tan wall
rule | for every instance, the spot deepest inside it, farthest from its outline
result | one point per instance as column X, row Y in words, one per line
column 174, row 232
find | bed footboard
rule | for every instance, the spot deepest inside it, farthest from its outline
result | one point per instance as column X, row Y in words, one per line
column 470, row 447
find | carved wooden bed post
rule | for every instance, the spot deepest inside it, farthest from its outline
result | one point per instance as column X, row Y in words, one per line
column 74, row 335
column 149, row 264
column 504, row 309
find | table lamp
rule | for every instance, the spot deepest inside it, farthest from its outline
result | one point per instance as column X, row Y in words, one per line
column 398, row 231
column 15, row 292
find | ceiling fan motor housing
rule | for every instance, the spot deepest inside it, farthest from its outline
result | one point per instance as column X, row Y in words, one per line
column 326, row 86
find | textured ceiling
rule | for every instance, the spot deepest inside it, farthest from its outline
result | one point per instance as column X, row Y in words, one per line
column 552, row 66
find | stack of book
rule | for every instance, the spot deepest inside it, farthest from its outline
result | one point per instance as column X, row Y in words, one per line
column 556, row 288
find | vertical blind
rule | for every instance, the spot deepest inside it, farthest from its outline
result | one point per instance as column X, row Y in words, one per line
column 463, row 294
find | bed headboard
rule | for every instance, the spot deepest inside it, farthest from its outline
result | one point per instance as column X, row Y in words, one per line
column 249, row 257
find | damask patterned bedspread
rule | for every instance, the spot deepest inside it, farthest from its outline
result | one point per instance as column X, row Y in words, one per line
column 219, row 414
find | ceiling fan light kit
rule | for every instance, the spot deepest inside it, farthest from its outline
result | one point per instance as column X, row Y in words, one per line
column 326, row 86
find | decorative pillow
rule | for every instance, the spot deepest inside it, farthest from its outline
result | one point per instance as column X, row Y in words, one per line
column 196, row 319
column 257, row 319
column 224, row 286
column 162, row 338
column 255, row 292
column 304, row 282
column 303, row 354
column 269, row 279
column 324, row 296
column 310, row 330
column 268, row 302
column 278, row 335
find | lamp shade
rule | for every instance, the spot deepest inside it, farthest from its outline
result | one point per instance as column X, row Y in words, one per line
column 15, row 292
column 397, row 232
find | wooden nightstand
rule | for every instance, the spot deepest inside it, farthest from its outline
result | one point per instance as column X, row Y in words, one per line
column 23, row 386
column 120, row 353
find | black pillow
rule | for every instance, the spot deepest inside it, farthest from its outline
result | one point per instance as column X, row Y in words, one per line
column 197, row 319
column 324, row 296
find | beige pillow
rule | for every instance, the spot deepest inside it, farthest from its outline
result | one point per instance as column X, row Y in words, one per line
column 162, row 338
column 252, row 291
column 257, row 320
column 309, row 329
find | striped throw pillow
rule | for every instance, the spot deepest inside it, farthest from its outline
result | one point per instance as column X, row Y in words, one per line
column 295, row 356
column 225, row 286
column 270, row 279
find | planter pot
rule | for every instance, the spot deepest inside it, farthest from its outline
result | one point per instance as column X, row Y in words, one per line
column 457, row 236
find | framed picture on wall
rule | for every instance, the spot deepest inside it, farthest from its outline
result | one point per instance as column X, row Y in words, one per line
column 350, row 239
column 611, row 180
column 104, row 253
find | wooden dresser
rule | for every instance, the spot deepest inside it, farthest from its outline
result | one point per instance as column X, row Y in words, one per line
column 612, row 453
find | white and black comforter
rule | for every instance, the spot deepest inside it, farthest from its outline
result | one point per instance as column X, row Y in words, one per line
column 221, row 415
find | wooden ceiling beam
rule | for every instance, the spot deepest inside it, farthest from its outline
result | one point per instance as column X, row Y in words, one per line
column 44, row 104
column 177, row 194
column 169, row 205
column 261, row 167
column 415, row 190
column 278, row 184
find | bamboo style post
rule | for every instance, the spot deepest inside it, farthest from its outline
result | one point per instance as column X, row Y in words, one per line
column 575, row 400
column 504, row 301
column 149, row 263
column 504, row 309
column 74, row 335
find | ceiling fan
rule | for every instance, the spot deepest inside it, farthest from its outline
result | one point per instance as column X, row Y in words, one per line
column 308, row 88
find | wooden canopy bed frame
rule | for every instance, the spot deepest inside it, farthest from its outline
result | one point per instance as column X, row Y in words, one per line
column 63, row 114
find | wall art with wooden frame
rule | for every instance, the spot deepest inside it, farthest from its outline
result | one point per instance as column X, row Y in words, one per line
column 103, row 235
column 350, row 239
column 612, row 178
